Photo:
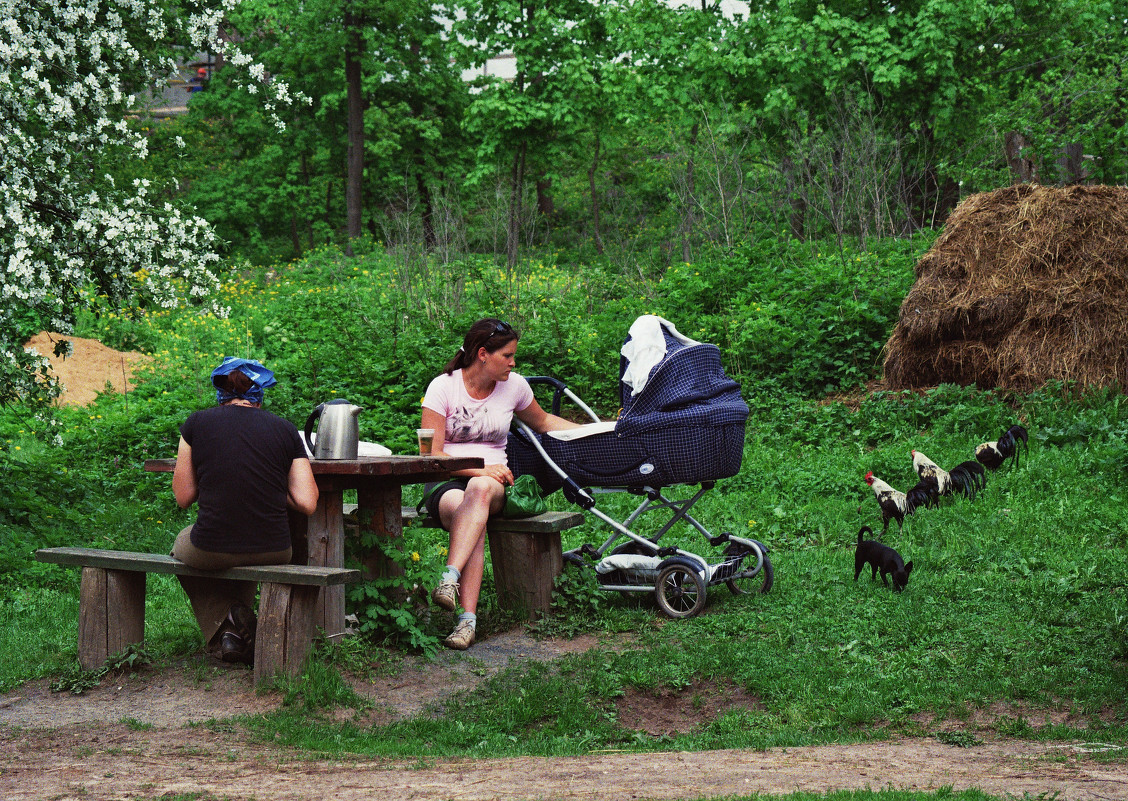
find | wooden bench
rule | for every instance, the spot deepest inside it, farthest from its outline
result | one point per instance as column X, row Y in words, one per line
column 526, row 554
column 111, row 612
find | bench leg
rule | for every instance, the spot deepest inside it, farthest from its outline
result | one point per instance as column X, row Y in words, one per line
column 525, row 565
column 111, row 614
column 285, row 628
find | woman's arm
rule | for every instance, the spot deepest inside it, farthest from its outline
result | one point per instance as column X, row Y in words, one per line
column 302, row 491
column 184, row 487
column 541, row 421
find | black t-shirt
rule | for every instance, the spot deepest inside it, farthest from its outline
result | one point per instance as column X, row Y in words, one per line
column 242, row 456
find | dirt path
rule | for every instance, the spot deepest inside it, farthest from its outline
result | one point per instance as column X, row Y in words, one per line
column 131, row 738
column 107, row 761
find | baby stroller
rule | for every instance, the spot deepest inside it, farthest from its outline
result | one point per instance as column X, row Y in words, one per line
column 682, row 422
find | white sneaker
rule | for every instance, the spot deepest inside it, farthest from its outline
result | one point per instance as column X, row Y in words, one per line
column 462, row 637
column 446, row 595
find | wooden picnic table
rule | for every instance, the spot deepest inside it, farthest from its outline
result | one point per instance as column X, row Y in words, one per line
column 378, row 481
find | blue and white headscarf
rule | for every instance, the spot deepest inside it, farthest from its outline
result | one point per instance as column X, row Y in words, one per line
column 261, row 378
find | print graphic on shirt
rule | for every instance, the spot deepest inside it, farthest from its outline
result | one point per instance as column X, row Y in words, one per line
column 467, row 424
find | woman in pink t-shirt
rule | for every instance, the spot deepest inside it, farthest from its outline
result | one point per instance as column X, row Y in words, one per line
column 470, row 407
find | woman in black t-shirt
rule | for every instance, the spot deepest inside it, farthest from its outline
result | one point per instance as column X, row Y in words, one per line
column 245, row 467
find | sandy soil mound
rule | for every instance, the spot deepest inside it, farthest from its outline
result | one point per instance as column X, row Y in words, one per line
column 88, row 370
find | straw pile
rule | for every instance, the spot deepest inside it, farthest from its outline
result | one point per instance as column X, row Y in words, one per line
column 1025, row 285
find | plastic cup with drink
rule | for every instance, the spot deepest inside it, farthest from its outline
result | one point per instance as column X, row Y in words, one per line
column 426, row 438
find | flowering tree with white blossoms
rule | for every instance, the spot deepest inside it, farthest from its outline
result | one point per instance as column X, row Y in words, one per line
column 68, row 233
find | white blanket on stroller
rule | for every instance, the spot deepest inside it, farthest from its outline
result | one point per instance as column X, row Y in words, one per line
column 629, row 562
column 586, row 430
column 647, row 347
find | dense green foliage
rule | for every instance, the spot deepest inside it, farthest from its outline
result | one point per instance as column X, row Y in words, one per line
column 1018, row 597
column 645, row 132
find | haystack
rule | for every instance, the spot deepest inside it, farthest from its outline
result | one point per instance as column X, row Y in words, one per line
column 1025, row 285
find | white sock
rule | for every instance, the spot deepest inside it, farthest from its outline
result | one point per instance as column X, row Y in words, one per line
column 452, row 573
column 470, row 617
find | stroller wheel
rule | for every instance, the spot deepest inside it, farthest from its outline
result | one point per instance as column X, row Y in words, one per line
column 680, row 591
column 747, row 585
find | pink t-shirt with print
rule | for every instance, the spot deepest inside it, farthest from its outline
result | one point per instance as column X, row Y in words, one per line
column 477, row 427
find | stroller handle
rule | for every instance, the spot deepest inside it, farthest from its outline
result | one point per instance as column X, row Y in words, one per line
column 560, row 390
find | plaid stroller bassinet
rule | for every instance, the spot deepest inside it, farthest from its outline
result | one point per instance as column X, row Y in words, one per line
column 685, row 425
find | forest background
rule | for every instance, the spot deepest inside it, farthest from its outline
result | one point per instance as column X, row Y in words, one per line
column 639, row 134
column 768, row 183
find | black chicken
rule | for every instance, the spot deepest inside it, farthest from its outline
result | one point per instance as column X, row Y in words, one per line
column 895, row 505
column 992, row 454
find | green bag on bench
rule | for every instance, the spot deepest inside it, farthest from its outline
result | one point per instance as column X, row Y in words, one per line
column 523, row 498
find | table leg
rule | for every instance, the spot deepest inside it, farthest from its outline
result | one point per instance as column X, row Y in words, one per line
column 379, row 511
column 326, row 542
column 285, row 628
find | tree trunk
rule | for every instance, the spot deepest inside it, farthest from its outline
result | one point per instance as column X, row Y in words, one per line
column 516, row 191
column 1024, row 170
column 597, row 234
column 691, row 192
column 420, row 160
column 545, row 203
column 796, row 198
column 427, row 205
column 308, row 218
column 1071, row 165
column 355, row 156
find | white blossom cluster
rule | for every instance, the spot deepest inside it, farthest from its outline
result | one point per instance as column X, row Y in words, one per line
column 67, row 232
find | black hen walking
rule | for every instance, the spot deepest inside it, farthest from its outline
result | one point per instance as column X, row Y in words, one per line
column 895, row 505
column 992, row 454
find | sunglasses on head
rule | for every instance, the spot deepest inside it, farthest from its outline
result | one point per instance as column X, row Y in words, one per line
column 501, row 328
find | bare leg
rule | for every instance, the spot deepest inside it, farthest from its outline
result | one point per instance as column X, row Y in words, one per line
column 471, row 585
column 464, row 514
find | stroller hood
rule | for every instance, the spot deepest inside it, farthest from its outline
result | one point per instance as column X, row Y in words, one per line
column 681, row 422
column 687, row 387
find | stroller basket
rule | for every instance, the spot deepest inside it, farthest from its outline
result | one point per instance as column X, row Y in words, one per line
column 634, row 578
column 645, row 576
column 727, row 569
